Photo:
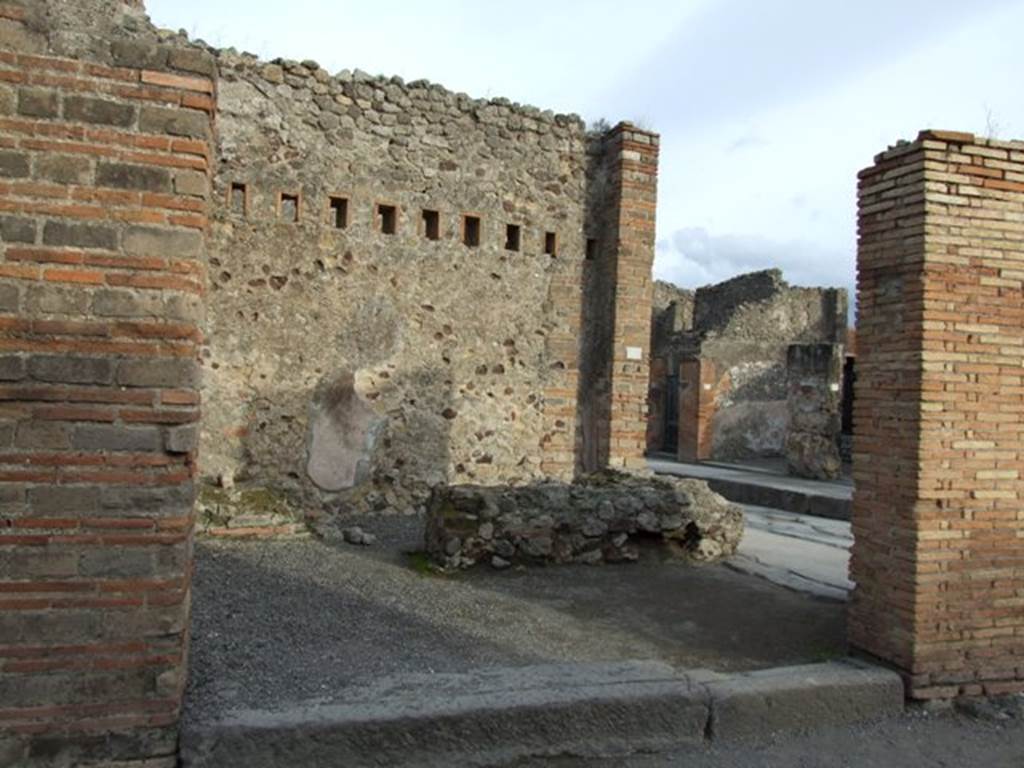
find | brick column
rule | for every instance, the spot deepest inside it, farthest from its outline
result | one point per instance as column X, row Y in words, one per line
column 634, row 162
column 103, row 210
column 697, row 380
column 939, row 444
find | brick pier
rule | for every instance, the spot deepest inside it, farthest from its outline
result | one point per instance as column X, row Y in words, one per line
column 104, row 176
column 939, row 444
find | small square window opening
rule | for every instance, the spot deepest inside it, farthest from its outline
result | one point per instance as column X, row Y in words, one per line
column 471, row 231
column 550, row 243
column 513, row 236
column 431, row 225
column 387, row 219
column 288, row 209
column 338, row 209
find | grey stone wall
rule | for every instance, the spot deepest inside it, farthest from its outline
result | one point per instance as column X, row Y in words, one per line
column 814, row 402
column 451, row 350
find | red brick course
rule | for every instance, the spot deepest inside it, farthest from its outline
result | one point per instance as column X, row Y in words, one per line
column 101, row 289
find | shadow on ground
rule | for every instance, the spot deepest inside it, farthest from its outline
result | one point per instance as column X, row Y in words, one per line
column 279, row 622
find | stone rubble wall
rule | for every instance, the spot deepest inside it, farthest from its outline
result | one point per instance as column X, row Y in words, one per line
column 599, row 518
column 815, row 375
column 457, row 363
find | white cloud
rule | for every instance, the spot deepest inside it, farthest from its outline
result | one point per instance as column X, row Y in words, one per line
column 692, row 257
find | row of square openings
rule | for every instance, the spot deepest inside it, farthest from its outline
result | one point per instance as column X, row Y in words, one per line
column 289, row 209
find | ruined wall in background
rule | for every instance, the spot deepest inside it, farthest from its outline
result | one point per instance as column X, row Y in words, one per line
column 671, row 343
column 815, row 382
column 105, row 148
column 345, row 349
column 741, row 331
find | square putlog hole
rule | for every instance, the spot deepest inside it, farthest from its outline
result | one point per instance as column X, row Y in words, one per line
column 513, row 236
column 387, row 219
column 338, row 211
column 551, row 243
column 431, row 225
column 238, row 198
column 288, row 207
column 471, row 231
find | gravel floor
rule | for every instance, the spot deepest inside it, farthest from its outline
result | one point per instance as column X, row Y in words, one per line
column 278, row 622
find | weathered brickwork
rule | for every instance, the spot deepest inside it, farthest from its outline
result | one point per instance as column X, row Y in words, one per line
column 103, row 194
column 939, row 437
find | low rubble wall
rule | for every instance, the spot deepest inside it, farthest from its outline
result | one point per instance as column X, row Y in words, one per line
column 598, row 518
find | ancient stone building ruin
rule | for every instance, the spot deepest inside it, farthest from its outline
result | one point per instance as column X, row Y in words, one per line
column 328, row 248
column 372, row 287
column 396, row 275
column 720, row 360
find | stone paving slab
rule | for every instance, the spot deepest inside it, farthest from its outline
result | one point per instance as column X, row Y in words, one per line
column 756, row 486
column 804, row 553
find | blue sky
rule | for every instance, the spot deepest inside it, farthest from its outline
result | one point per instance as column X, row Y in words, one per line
column 767, row 110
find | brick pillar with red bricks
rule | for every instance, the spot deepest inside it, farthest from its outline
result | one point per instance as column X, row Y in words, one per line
column 939, row 444
column 104, row 184
column 633, row 156
column 698, row 380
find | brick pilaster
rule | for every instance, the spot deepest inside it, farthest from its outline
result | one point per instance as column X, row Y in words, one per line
column 634, row 163
column 698, row 379
column 103, row 215
column 939, row 441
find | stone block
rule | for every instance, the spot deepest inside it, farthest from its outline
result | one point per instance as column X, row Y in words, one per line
column 38, row 102
column 124, row 303
column 758, row 705
column 42, row 435
column 166, row 373
column 116, row 562
column 17, row 230
column 140, row 177
column 139, row 54
column 64, row 500
column 15, row 36
column 107, row 437
column 174, row 122
column 192, row 60
column 80, row 235
column 71, row 369
column 174, row 500
column 64, row 169
column 6, row 439
column 183, row 439
column 9, row 298
column 153, row 241
column 37, row 563
column 55, row 300
column 192, row 183
column 8, row 100
column 14, row 165
column 12, row 367
column 86, row 109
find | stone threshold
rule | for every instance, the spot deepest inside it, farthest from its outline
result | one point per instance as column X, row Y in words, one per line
column 494, row 716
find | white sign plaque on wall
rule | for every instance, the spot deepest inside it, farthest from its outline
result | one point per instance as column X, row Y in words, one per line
column 634, row 353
